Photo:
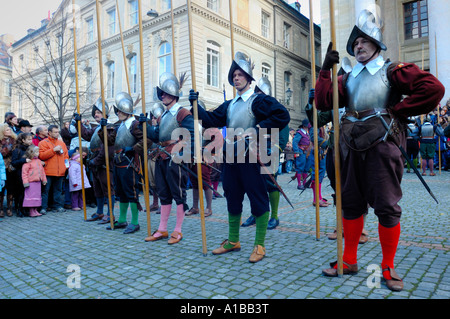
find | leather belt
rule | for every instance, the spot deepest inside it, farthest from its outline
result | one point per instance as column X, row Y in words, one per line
column 361, row 116
column 165, row 143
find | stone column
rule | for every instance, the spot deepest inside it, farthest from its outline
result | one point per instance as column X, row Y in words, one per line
column 439, row 25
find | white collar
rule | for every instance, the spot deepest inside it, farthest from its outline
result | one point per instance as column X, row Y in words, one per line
column 244, row 96
column 174, row 109
column 373, row 66
column 128, row 122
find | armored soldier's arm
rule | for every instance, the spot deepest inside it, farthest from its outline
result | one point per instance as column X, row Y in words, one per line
column 269, row 112
column 323, row 117
column 324, row 91
column 138, row 134
column 153, row 132
column 216, row 118
column 424, row 91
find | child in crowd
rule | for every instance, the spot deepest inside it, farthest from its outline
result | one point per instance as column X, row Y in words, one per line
column 33, row 174
column 75, row 181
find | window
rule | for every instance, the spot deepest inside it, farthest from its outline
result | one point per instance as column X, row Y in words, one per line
column 111, row 22
column 133, row 73
column 212, row 64
column 110, row 80
column 165, row 58
column 165, row 5
column 416, row 19
column 134, row 11
column 265, row 24
column 213, row 5
column 90, row 30
column 286, row 35
column 287, row 85
column 265, row 70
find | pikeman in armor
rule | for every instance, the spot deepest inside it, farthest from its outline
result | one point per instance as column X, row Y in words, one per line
column 252, row 112
column 427, row 149
column 264, row 87
column 96, row 160
column 126, row 140
column 170, row 178
column 372, row 165
column 155, row 111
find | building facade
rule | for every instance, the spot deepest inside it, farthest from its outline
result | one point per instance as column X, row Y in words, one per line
column 273, row 34
column 5, row 73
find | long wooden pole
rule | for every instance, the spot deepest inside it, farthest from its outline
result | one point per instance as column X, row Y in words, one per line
column 337, row 161
column 174, row 61
column 144, row 127
column 230, row 3
column 78, row 107
column 123, row 48
column 438, row 111
column 198, row 153
column 105, row 132
column 315, row 128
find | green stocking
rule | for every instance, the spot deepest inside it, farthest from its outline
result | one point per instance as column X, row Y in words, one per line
column 123, row 208
column 134, row 214
column 261, row 228
column 234, row 222
column 274, row 199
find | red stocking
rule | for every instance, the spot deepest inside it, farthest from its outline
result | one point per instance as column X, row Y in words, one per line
column 389, row 241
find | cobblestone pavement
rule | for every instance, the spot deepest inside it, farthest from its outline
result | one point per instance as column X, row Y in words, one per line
column 42, row 257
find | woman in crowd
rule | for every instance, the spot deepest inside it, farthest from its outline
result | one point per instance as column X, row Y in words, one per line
column 7, row 141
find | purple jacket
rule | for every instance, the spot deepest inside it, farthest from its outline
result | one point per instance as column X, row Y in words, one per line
column 75, row 176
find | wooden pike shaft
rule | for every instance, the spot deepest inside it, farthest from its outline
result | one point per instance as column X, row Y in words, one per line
column 123, row 47
column 174, row 60
column 144, row 127
column 105, row 133
column 232, row 36
column 78, row 107
column 315, row 128
column 198, row 154
column 337, row 161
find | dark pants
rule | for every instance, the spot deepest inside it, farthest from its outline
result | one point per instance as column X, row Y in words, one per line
column 125, row 179
column 241, row 179
column 100, row 183
column 373, row 178
column 76, row 199
column 171, row 182
column 54, row 183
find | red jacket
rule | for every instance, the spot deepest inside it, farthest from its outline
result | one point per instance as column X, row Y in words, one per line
column 54, row 161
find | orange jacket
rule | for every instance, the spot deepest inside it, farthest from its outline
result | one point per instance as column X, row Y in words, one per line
column 54, row 161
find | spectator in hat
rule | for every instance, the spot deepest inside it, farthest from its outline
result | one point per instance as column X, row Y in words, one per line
column 25, row 127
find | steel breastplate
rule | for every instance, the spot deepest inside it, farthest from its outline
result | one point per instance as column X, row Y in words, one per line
column 367, row 91
column 95, row 142
column 124, row 138
column 427, row 130
column 167, row 125
column 240, row 114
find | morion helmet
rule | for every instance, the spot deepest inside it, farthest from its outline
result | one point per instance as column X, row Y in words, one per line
column 157, row 109
column 264, row 86
column 243, row 63
column 367, row 27
column 124, row 103
column 98, row 107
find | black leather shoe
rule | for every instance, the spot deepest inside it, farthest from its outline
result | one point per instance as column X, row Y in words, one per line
column 94, row 217
column 131, row 229
column 250, row 221
column 273, row 223
column 118, row 225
